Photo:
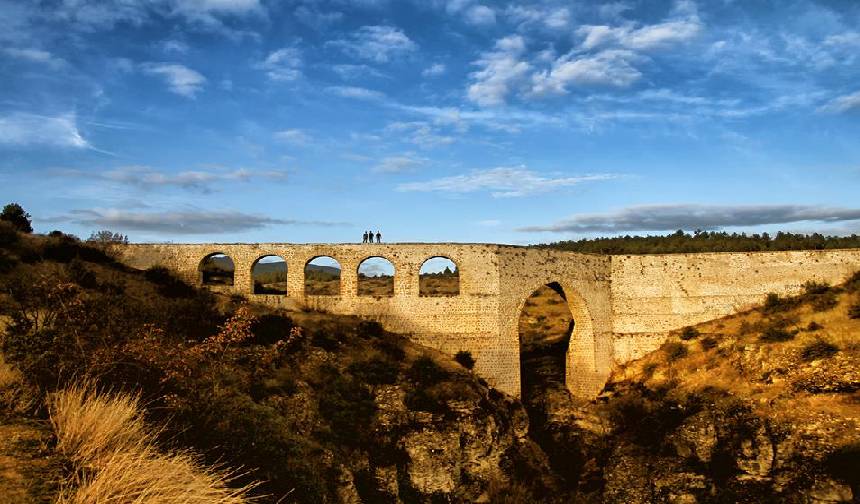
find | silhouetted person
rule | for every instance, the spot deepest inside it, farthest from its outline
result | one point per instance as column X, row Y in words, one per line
column 378, row 237
column 364, row 240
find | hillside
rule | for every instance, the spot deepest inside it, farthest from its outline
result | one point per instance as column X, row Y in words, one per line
column 763, row 406
column 311, row 406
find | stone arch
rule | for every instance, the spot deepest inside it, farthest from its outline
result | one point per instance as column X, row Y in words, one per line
column 436, row 277
column 216, row 268
column 377, row 279
column 580, row 365
column 323, row 278
column 269, row 275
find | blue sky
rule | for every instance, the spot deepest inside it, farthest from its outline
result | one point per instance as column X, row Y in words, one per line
column 457, row 120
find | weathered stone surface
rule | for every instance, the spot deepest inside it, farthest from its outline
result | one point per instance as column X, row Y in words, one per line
column 623, row 306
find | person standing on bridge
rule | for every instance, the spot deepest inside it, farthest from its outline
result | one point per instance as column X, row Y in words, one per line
column 364, row 239
column 378, row 237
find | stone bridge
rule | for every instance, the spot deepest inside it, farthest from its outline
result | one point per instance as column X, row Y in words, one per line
column 622, row 306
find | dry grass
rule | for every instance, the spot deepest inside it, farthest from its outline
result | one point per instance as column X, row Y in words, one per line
column 14, row 398
column 116, row 461
column 438, row 285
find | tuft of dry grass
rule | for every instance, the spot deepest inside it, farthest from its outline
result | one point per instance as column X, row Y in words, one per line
column 14, row 397
column 115, row 458
column 91, row 426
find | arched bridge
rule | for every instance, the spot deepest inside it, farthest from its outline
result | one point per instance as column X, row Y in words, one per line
column 622, row 306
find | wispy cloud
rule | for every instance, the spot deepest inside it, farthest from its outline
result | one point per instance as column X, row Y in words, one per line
column 292, row 136
column 24, row 129
column 502, row 182
column 181, row 222
column 179, row 78
column 842, row 103
column 480, row 15
column 34, row 56
column 420, row 133
column 358, row 93
column 397, row 164
column 376, row 43
column 690, row 217
column 611, row 68
column 282, row 65
column 146, row 177
column 434, row 70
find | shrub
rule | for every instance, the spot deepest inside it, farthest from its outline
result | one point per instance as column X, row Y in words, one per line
column 464, row 357
column 271, row 328
column 15, row 215
column 824, row 301
column 708, row 342
column 8, row 234
column 774, row 303
column 689, row 333
column 168, row 284
column 674, row 351
column 775, row 334
column 375, row 371
column 812, row 287
column 819, row 349
column 425, row 371
column 854, row 311
column 814, row 326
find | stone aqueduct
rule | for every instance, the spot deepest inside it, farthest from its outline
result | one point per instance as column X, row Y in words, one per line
column 622, row 306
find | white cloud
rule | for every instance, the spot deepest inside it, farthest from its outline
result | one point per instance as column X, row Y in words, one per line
column 358, row 93
column 397, row 164
column 420, row 133
column 691, row 217
column 612, row 67
column 843, row 103
column 180, row 79
column 376, row 43
column 282, row 65
column 502, row 182
column 174, row 46
column 23, row 129
column 480, row 15
column 317, row 19
column 553, row 18
column 34, row 56
column 434, row 70
column 501, row 71
column 656, row 36
column 146, row 177
column 180, row 222
column 350, row 71
column 105, row 14
column 293, row 136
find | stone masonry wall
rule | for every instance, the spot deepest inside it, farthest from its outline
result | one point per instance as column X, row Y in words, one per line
column 653, row 294
column 622, row 306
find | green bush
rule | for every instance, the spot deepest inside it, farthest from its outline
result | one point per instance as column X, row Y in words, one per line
column 708, row 342
column 689, row 333
column 375, row 371
column 775, row 334
column 674, row 351
column 819, row 349
column 425, row 371
column 814, row 326
column 8, row 234
column 464, row 357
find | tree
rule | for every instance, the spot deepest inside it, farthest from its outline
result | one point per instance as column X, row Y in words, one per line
column 105, row 237
column 14, row 213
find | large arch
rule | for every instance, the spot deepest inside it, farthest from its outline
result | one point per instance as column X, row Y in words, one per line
column 323, row 276
column 269, row 275
column 216, row 268
column 581, row 369
column 439, row 276
column 375, row 277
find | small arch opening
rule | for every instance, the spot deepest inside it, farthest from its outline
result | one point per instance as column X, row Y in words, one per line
column 216, row 269
column 269, row 274
column 376, row 277
column 439, row 276
column 322, row 277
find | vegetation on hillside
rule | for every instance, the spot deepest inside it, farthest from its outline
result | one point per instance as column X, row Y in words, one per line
column 705, row 241
column 313, row 407
column 757, row 407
